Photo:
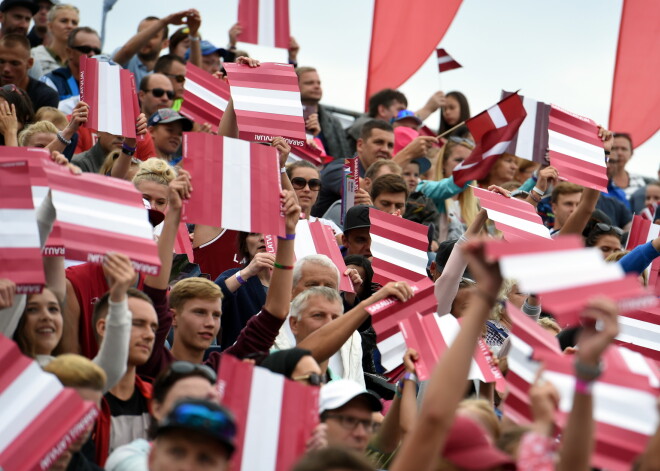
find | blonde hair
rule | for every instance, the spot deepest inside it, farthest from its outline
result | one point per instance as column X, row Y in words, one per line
column 549, row 324
column 110, row 160
column 29, row 131
column 55, row 116
column 191, row 288
column 498, row 312
column 155, row 170
column 75, row 371
column 485, row 415
column 466, row 198
column 616, row 256
column 55, row 9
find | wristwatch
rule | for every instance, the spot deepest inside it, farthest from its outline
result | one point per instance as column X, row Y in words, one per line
column 587, row 372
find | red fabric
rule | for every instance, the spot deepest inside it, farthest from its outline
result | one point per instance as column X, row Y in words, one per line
column 87, row 138
column 635, row 92
column 218, row 255
column 403, row 37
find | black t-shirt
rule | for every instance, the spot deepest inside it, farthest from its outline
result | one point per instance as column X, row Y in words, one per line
column 41, row 94
column 615, row 210
column 129, row 419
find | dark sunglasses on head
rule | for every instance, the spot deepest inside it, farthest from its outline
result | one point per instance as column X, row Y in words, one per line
column 314, row 379
column 186, row 368
column 87, row 49
column 159, row 92
column 299, row 183
column 602, row 227
column 179, row 78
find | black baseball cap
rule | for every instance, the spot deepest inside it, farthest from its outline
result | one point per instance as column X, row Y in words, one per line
column 9, row 4
column 357, row 217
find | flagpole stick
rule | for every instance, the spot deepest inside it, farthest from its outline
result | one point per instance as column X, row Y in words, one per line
column 452, row 129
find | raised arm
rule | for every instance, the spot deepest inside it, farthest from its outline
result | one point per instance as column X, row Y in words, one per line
column 228, row 125
column 547, row 177
column 123, row 162
column 194, row 21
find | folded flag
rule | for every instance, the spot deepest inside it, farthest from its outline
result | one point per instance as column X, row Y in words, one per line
column 274, row 415
column 445, row 61
column 264, row 22
column 267, row 102
column 109, row 90
column 205, row 97
column 531, row 140
column 642, row 231
column 237, row 184
column 20, row 248
column 99, row 214
column 350, row 185
column 640, row 331
column 517, row 219
column 399, row 248
column 39, row 418
column 576, row 151
column 308, row 153
column 493, row 131
column 649, row 212
column 431, row 335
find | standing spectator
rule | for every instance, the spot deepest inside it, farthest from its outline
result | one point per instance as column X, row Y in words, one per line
column 15, row 16
column 211, row 57
column 622, row 152
column 319, row 121
column 174, row 68
column 166, row 127
column 38, row 35
column 383, row 105
column 62, row 19
column 455, row 110
column 156, row 93
column 564, row 199
column 15, row 61
column 389, row 194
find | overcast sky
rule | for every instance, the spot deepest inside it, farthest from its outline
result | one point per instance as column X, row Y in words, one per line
column 560, row 52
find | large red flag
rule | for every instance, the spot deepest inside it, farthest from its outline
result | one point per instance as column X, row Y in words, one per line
column 635, row 92
column 404, row 35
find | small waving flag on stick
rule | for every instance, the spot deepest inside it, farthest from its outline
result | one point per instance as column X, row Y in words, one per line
column 445, row 61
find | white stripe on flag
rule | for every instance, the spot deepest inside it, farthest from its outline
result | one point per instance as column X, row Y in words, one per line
column 638, row 364
column 201, row 92
column 266, row 35
column 449, row 328
column 102, row 215
column 399, row 254
column 525, row 139
column 29, row 394
column 519, row 223
column 39, row 194
column 304, row 244
column 264, row 100
column 18, row 228
column 236, row 187
column 497, row 149
column 391, row 351
column 444, row 59
column 638, row 332
column 565, row 269
column 519, row 360
column 575, row 148
column 262, row 427
column 109, row 97
column 497, row 117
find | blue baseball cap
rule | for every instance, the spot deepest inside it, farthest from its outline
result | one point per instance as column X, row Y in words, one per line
column 208, row 48
column 405, row 114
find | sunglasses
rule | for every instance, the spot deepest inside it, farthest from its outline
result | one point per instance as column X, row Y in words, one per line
column 299, row 183
column 159, row 92
column 313, row 379
column 198, row 416
column 351, row 423
column 87, row 49
column 602, row 227
column 186, row 368
column 179, row 78
column 469, row 143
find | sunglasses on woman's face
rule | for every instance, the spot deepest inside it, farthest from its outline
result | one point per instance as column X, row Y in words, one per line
column 299, row 183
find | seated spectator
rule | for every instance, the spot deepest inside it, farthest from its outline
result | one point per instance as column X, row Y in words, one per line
column 605, row 237
column 166, row 128
column 652, row 194
column 152, row 180
column 296, row 364
column 622, row 152
column 174, row 68
column 91, row 160
column 62, row 19
column 504, row 170
column 14, row 103
column 39, row 134
column 378, row 169
column 356, row 238
column 15, row 61
column 455, row 110
column 156, row 93
column 406, row 119
column 526, row 169
column 15, row 16
column 389, row 193
column 52, row 114
column 564, row 199
column 109, row 165
column 212, row 57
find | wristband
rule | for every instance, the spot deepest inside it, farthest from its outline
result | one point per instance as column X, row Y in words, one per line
column 288, row 237
column 193, row 38
column 535, row 198
column 587, row 372
column 283, row 170
column 240, row 279
column 538, row 191
column 410, row 377
column 61, row 138
column 128, row 150
column 283, row 267
column 583, row 387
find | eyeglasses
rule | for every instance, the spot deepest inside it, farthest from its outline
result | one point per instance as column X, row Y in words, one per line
column 186, row 368
column 313, row 379
column 602, row 227
column 299, row 183
column 350, row 423
column 198, row 416
column 179, row 78
column 87, row 49
column 159, row 92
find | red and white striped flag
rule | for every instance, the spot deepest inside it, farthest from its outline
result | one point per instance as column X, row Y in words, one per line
column 99, row 214
column 275, row 416
column 267, row 102
column 20, row 248
column 264, row 22
column 445, row 61
column 431, row 335
column 641, row 231
column 308, row 153
column 205, row 97
column 109, row 90
column 493, row 131
column 39, row 418
column 576, row 151
column 649, row 211
column 531, row 140
column 237, row 184
column 517, row 219
column 386, row 315
column 640, row 331
column 182, row 243
column 399, row 248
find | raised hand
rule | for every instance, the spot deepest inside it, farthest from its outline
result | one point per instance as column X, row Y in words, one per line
column 179, row 189
column 120, row 274
column 283, row 149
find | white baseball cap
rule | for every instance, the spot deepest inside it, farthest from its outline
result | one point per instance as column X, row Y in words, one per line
column 338, row 393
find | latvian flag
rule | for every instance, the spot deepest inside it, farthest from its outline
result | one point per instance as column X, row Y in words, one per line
column 640, row 331
column 649, row 212
column 399, row 248
column 493, row 131
column 386, row 315
column 264, row 22
column 445, row 61
column 431, row 335
column 182, row 243
column 308, row 153
column 642, row 231
column 20, row 248
column 205, row 97
column 267, row 102
column 39, row 418
column 575, row 149
column 237, row 184
column 99, row 214
column 275, row 416
column 517, row 219
column 109, row 90
column 531, row 140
